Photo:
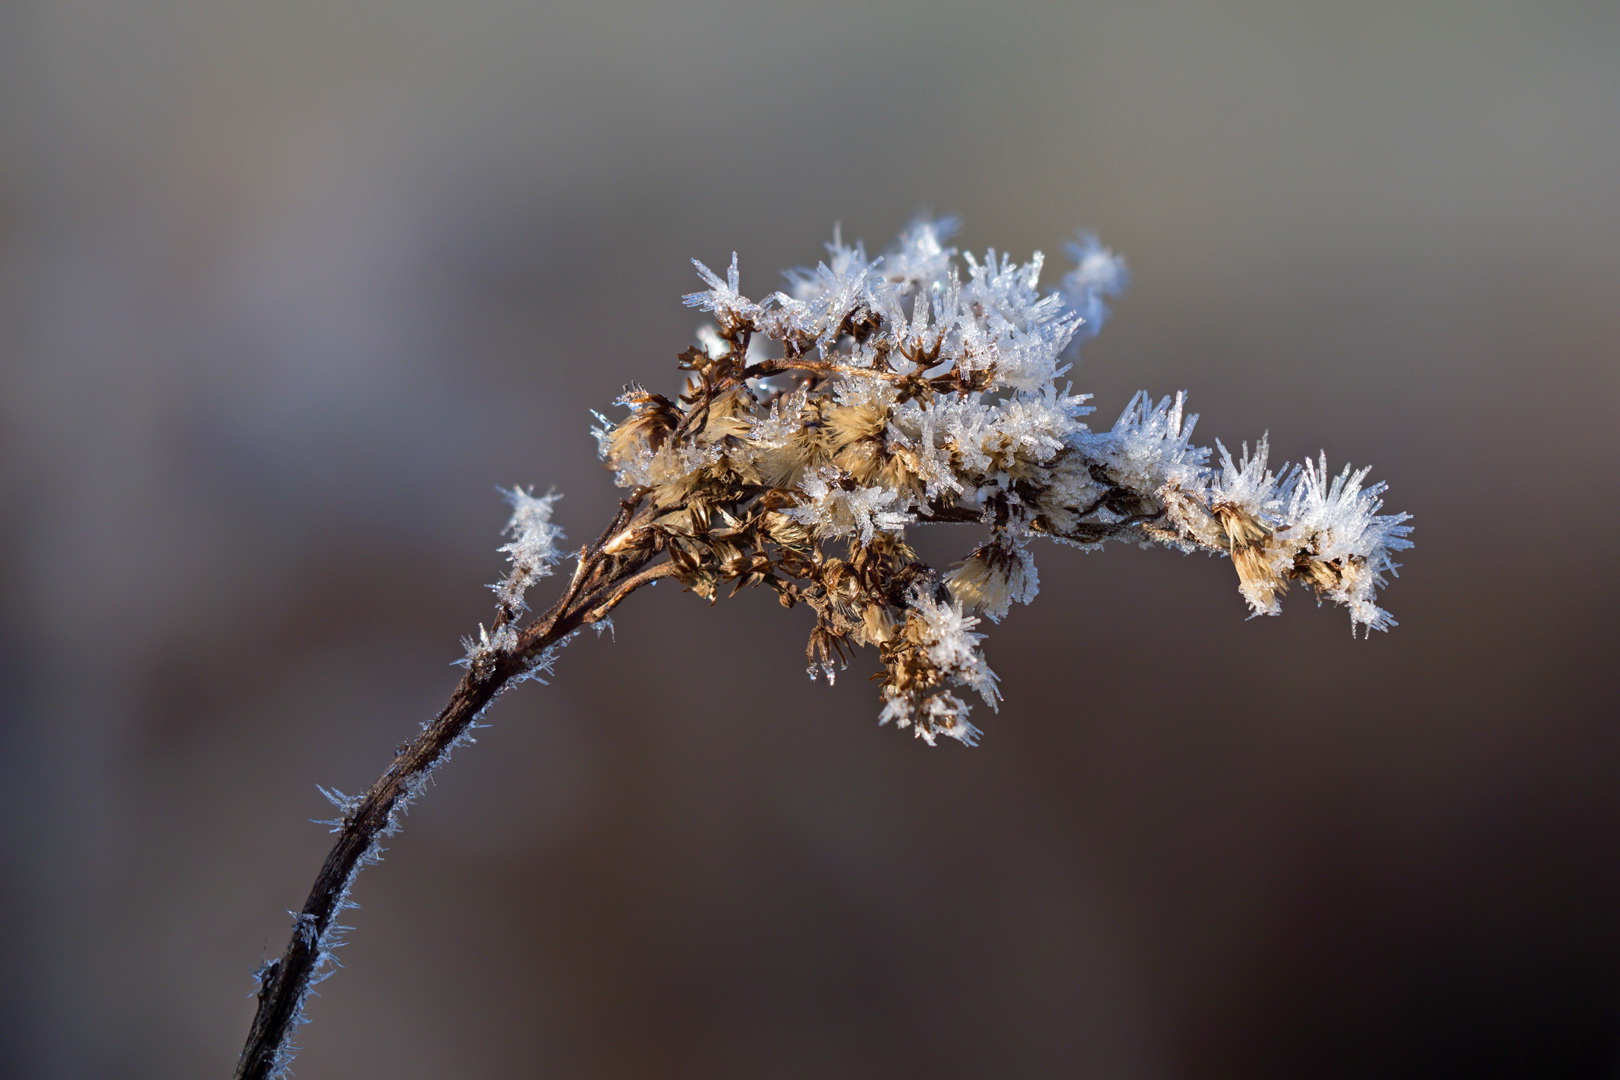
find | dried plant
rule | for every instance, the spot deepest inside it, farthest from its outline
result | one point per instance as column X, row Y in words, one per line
column 815, row 428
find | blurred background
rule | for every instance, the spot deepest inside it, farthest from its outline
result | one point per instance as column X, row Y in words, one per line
column 286, row 288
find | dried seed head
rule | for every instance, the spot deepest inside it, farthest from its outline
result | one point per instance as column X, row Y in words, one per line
column 820, row 424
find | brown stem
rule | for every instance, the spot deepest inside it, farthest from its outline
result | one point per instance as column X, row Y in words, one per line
column 605, row 600
column 598, row 586
column 766, row 368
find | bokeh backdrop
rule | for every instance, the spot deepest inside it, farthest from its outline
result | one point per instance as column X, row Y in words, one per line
column 287, row 287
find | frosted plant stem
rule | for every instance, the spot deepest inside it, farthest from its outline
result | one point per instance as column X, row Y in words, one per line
column 598, row 585
column 814, row 428
column 285, row 983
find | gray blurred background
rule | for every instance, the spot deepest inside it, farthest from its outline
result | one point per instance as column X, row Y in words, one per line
column 287, row 287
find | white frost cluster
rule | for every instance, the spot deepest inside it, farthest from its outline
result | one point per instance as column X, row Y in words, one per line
column 836, row 511
column 1150, row 446
column 1098, row 274
column 954, row 647
column 533, row 547
column 945, row 634
column 1338, row 520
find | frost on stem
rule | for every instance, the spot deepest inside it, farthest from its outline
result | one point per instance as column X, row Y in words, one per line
column 820, row 422
column 532, row 552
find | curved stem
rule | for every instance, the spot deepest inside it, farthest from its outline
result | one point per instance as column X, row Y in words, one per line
column 284, row 984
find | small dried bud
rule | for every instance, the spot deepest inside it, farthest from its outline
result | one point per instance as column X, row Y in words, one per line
column 988, row 581
column 652, row 418
column 1249, row 543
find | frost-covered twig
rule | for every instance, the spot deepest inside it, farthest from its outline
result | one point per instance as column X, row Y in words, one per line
column 816, row 427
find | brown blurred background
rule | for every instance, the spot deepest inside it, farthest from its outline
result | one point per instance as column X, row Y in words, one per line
column 289, row 286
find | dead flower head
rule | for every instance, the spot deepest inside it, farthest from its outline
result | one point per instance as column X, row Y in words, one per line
column 821, row 423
